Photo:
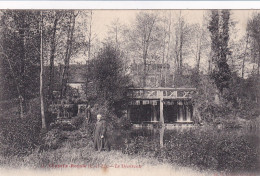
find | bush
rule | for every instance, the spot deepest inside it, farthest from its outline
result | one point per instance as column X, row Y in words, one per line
column 206, row 109
column 53, row 139
column 77, row 121
column 206, row 149
column 124, row 123
column 34, row 109
column 20, row 136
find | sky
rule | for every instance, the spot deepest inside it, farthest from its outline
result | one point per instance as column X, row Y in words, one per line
column 103, row 18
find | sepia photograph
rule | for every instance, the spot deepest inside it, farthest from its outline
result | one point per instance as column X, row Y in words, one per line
column 130, row 92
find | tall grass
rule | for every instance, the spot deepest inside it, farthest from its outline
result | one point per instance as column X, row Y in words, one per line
column 209, row 149
column 23, row 144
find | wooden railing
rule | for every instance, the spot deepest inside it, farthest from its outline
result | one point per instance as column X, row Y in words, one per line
column 66, row 111
column 161, row 93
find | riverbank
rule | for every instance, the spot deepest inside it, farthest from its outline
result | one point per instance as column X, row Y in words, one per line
column 72, row 153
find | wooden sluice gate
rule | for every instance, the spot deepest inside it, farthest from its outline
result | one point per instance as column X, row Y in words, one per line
column 148, row 106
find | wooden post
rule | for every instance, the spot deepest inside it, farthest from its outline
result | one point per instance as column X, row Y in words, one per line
column 128, row 112
column 161, row 106
column 161, row 136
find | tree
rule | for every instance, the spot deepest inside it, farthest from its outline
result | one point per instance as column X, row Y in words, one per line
column 69, row 45
column 200, row 42
column 53, row 45
column 20, row 55
column 108, row 76
column 115, row 33
column 165, row 45
column 214, row 29
column 240, row 58
column 142, row 36
column 179, row 42
column 90, row 35
column 253, row 29
column 254, row 41
column 59, row 47
column 219, row 28
column 30, row 41
column 244, row 57
column 44, row 126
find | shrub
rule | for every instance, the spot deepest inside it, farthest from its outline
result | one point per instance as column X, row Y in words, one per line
column 53, row 139
column 77, row 121
column 208, row 149
column 124, row 123
column 20, row 136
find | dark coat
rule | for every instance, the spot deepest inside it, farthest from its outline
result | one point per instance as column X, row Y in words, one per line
column 101, row 130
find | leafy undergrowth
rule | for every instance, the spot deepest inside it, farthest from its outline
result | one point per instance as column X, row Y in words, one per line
column 77, row 149
column 19, row 136
column 205, row 150
column 68, row 147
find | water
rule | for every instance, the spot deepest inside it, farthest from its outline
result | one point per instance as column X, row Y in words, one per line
column 203, row 147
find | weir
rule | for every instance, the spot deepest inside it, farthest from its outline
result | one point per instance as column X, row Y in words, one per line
column 165, row 105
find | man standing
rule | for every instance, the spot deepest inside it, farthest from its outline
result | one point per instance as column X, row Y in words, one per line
column 100, row 135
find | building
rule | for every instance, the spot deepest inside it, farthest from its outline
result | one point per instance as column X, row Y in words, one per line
column 153, row 103
column 165, row 105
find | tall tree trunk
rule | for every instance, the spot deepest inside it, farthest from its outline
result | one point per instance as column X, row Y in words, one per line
column 258, row 64
column 244, row 58
column 89, row 50
column 168, row 49
column 215, row 40
column 146, row 30
column 199, row 58
column 199, row 51
column 90, row 36
column 44, row 126
column 198, row 61
column 144, row 69
column 163, row 56
column 177, row 53
column 22, row 27
column 53, row 50
column 180, row 43
column 145, row 50
column 180, row 52
column 67, row 55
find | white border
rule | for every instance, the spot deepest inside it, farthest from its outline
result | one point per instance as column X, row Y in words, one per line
column 129, row 5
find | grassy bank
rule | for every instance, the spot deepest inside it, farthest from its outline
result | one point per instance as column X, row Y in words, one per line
column 77, row 149
column 197, row 151
column 214, row 149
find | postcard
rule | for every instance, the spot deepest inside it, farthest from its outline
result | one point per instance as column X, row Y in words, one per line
column 129, row 89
